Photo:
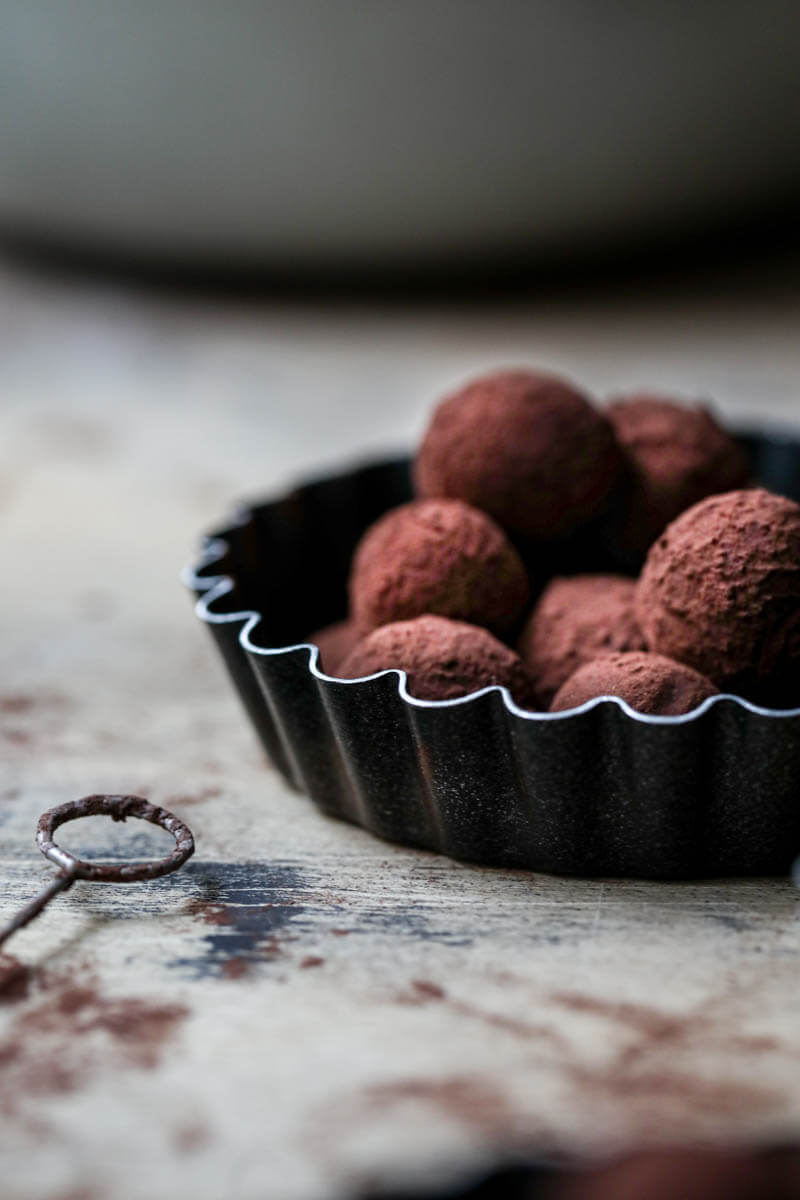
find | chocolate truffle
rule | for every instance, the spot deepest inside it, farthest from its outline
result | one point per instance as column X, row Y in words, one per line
column 437, row 556
column 527, row 448
column 577, row 619
column 442, row 658
column 720, row 590
column 334, row 643
column 676, row 456
column 650, row 683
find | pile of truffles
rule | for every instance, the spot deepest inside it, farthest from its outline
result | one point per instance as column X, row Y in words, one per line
column 461, row 587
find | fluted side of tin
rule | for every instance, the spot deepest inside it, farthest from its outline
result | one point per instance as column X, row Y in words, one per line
column 601, row 790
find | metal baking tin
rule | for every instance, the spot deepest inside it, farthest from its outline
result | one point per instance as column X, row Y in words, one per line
column 599, row 790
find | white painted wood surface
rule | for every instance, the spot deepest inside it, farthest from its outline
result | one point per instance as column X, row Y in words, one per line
column 303, row 1009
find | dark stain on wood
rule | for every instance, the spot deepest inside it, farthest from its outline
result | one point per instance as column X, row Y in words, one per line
column 256, row 909
column 253, row 908
column 412, row 921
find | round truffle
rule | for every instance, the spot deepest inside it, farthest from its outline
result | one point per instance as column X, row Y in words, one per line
column 650, row 683
column 437, row 556
column 676, row 456
column 334, row 643
column 527, row 448
column 443, row 659
column 577, row 618
column 720, row 591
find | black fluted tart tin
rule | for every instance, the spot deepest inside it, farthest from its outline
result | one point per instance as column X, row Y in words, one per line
column 599, row 790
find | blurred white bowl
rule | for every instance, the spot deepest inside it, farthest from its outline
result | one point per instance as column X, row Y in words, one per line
column 380, row 132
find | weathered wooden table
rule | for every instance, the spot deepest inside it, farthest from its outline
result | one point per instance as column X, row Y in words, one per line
column 303, row 1010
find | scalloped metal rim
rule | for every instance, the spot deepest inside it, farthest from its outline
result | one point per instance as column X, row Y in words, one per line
column 217, row 586
column 598, row 790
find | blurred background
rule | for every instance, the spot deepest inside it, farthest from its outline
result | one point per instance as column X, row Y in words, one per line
column 382, row 139
column 246, row 242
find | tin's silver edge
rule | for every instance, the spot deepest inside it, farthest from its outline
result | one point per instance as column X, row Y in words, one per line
column 214, row 587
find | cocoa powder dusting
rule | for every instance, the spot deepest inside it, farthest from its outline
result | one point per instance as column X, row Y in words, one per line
column 649, row 1021
column 576, row 619
column 424, row 991
column 720, row 591
column 442, row 659
column 16, row 703
column 473, row 1101
column 190, row 1138
column 18, row 737
column 439, row 557
column 69, row 1030
column 644, row 1069
column 657, row 1026
column 676, row 455
column 649, row 683
column 235, row 968
column 181, row 799
column 524, row 446
column 424, row 987
column 663, row 1096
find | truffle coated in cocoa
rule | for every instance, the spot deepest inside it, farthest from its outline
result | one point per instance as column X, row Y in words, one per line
column 720, row 591
column 334, row 643
column 437, row 556
column 577, row 618
column 649, row 683
column 443, row 659
column 527, row 448
column 676, row 455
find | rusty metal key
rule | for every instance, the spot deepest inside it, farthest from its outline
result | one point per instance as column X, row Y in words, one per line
column 71, row 869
